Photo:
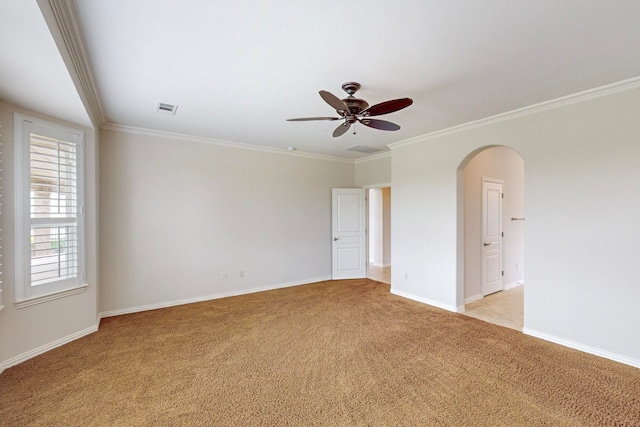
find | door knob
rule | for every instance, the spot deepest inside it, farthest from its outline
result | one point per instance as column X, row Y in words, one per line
column 486, row 244
column 335, row 239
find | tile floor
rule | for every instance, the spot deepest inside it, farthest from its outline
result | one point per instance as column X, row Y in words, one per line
column 505, row 308
column 381, row 274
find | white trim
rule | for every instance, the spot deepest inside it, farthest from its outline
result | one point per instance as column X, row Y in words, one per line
column 473, row 298
column 166, row 304
column 485, row 289
column 47, row 347
column 621, row 86
column 585, row 348
column 204, row 140
column 373, row 157
column 64, row 25
column 28, row 302
column 427, row 301
column 478, row 297
column 375, row 264
column 375, row 186
column 513, row 285
column 493, row 180
column 23, row 124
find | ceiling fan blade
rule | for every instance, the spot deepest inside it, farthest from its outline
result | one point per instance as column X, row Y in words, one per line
column 379, row 124
column 342, row 129
column 306, row 119
column 387, row 107
column 335, row 102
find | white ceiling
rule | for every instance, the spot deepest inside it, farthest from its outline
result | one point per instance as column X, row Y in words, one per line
column 239, row 69
column 32, row 72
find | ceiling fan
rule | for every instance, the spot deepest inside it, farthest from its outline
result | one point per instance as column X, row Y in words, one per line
column 352, row 110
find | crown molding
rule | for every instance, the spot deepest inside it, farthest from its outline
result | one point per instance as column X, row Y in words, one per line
column 598, row 92
column 372, row 157
column 64, row 25
column 219, row 142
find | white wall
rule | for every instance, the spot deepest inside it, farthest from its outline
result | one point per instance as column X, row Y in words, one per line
column 375, row 227
column 175, row 214
column 380, row 226
column 386, row 226
column 374, row 171
column 582, row 241
column 505, row 164
column 32, row 330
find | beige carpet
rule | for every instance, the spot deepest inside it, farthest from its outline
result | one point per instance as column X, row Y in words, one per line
column 326, row 354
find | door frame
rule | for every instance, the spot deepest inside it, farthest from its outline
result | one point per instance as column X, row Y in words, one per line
column 349, row 239
column 367, row 188
column 486, row 179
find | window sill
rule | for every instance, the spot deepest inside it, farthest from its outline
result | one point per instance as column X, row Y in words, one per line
column 50, row 297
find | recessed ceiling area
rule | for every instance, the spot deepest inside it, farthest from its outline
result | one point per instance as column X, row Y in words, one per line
column 238, row 70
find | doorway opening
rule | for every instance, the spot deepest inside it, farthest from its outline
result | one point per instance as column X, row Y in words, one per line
column 491, row 218
column 379, row 220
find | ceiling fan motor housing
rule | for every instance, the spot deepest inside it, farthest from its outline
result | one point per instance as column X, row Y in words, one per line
column 356, row 105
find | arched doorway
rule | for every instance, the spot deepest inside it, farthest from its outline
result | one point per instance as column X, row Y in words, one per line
column 491, row 221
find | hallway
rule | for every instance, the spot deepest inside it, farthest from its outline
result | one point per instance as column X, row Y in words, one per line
column 505, row 308
column 380, row 274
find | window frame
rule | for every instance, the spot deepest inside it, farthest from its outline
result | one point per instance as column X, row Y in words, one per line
column 25, row 293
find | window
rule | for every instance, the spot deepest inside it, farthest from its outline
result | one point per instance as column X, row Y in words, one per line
column 49, row 210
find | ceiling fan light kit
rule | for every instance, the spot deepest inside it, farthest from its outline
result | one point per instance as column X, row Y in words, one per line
column 355, row 110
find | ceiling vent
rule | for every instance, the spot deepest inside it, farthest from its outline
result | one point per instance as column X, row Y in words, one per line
column 363, row 149
column 166, row 108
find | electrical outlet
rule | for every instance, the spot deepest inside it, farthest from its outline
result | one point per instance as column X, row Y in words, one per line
column 241, row 274
column 223, row 276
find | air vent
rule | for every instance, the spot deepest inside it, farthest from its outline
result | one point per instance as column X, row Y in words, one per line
column 363, row 149
column 166, row 108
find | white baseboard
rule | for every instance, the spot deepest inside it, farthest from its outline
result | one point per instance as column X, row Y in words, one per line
column 375, row 264
column 57, row 343
column 166, row 304
column 44, row 348
column 587, row 349
column 513, row 285
column 427, row 301
column 477, row 297
column 473, row 298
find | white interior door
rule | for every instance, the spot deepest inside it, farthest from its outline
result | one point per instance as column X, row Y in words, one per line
column 491, row 236
column 349, row 240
